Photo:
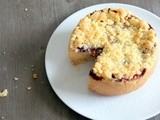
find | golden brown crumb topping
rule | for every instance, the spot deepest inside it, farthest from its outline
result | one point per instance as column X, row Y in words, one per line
column 128, row 42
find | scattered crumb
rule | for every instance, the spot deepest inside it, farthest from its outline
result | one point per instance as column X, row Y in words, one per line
column 20, row 56
column 2, row 118
column 25, row 68
column 34, row 76
column 4, row 53
column 15, row 78
column 42, row 82
column 16, row 86
column 32, row 65
column 26, row 9
column 11, row 59
column 15, row 52
column 4, row 93
column 29, row 88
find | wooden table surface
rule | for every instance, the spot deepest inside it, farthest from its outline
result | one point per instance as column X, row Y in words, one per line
column 25, row 29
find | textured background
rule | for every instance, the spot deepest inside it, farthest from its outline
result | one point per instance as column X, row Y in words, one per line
column 25, row 29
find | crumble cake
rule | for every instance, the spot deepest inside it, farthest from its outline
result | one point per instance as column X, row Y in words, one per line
column 123, row 46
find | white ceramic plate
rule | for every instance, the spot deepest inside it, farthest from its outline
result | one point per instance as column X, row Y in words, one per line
column 70, row 82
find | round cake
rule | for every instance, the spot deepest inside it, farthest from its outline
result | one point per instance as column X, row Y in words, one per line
column 123, row 46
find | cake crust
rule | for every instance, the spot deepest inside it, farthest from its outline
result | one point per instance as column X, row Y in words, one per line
column 111, row 88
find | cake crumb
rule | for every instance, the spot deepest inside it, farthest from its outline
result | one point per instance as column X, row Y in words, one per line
column 15, row 78
column 32, row 65
column 4, row 93
column 25, row 68
column 26, row 9
column 2, row 118
column 34, row 76
column 4, row 53
column 29, row 88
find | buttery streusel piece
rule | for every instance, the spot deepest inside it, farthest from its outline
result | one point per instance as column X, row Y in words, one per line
column 4, row 93
column 123, row 45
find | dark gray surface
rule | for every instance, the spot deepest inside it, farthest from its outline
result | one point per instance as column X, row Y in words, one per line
column 24, row 34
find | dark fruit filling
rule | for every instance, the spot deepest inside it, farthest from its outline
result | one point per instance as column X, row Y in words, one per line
column 114, row 11
column 130, row 17
column 95, row 52
column 91, row 13
column 109, row 9
column 122, row 79
column 113, row 76
column 102, row 10
column 150, row 27
column 136, row 76
column 94, row 76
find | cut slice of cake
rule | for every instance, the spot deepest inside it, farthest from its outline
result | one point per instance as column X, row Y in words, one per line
column 123, row 46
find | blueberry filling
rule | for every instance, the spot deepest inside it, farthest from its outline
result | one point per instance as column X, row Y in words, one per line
column 94, row 76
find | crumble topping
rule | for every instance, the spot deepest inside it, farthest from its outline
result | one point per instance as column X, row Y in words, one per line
column 15, row 78
column 127, row 43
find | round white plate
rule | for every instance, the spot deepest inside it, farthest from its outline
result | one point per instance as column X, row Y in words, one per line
column 70, row 82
